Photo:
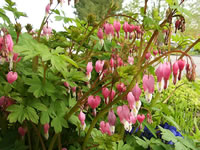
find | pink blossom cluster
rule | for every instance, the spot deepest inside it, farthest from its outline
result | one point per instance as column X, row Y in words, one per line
column 8, row 55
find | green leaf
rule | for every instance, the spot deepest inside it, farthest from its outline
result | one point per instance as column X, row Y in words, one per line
column 167, row 135
column 74, row 120
column 171, row 120
column 4, row 17
column 141, row 142
column 69, row 60
column 107, row 45
column 32, row 114
column 56, row 11
column 29, row 48
column 16, row 112
column 151, row 129
column 44, row 117
column 58, row 123
column 170, row 2
column 38, row 105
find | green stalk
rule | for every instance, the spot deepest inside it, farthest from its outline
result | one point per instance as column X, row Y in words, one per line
column 53, row 140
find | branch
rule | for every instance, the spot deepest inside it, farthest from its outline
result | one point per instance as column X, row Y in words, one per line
column 39, row 135
column 189, row 48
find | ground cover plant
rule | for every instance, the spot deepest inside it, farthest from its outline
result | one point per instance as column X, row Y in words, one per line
column 97, row 84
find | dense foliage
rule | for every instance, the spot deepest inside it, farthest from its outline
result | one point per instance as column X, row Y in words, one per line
column 95, row 8
column 99, row 84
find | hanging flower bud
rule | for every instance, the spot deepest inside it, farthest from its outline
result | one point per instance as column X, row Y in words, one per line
column 125, row 27
column 149, row 118
column 159, row 51
column 124, row 115
column 81, row 117
column 9, row 43
column 22, row 131
column 120, row 62
column 112, row 121
column 105, row 128
column 140, row 118
column 166, row 73
column 94, row 102
column 187, row 68
column 148, row 85
column 100, row 34
column 112, row 95
column 2, row 101
column 160, row 77
column 47, row 9
column 12, row 77
column 16, row 58
column 131, row 100
column 74, row 91
column 106, row 93
column 1, row 43
column 117, row 27
column 181, row 65
column 112, row 64
column 130, row 60
column 64, row 148
column 175, row 71
column 47, row 31
column 121, row 87
column 147, row 55
column 89, row 70
column 99, row 66
column 155, row 52
column 109, row 30
column 46, row 131
column 136, row 92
